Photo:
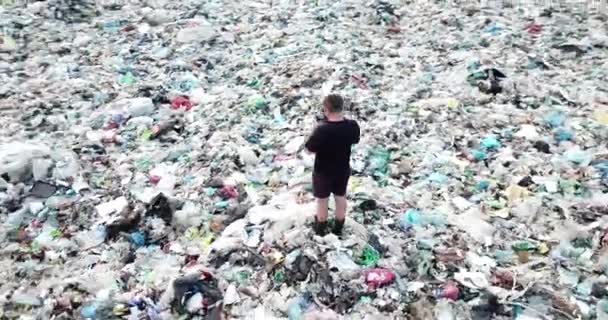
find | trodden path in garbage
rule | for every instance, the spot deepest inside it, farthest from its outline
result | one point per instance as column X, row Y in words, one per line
column 151, row 160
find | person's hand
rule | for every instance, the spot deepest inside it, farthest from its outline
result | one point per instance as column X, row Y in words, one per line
column 308, row 158
column 320, row 117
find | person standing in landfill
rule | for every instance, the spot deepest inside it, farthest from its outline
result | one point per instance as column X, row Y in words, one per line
column 331, row 142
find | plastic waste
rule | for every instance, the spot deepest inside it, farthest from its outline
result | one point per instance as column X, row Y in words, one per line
column 602, row 309
column 568, row 278
column 578, row 156
column 563, row 135
column 585, row 287
column 528, row 132
column 42, row 189
column 378, row 162
column 181, row 102
column 41, row 168
column 482, row 185
column 297, row 308
column 542, row 146
column 443, row 311
column 138, row 239
column 472, row 280
column 231, row 295
column 127, row 79
column 160, row 129
column 479, row 155
column 248, row 156
column 601, row 116
column 379, row 277
column 413, row 217
column 139, row 107
column 523, row 249
column 504, row 257
column 89, row 312
column 369, row 257
column 16, row 160
column 342, row 262
column 294, row 312
column 26, row 299
column 490, row 143
column 410, row 218
column 438, row 178
column 190, row 292
column 160, row 207
column 325, row 314
column 555, row 119
column 450, row 291
column 112, row 208
column 198, row 32
column 145, row 141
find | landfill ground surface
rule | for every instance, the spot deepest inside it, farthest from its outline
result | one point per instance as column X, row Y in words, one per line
column 152, row 164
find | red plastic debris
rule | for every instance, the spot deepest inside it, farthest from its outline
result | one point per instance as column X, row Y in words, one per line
column 22, row 236
column 361, row 82
column 154, row 179
column 110, row 136
column 181, row 102
column 449, row 255
column 503, row 279
column 534, row 29
column 129, row 28
column 394, row 29
column 379, row 277
column 450, row 291
column 37, row 224
column 113, row 125
column 191, row 260
column 192, row 24
column 229, row 192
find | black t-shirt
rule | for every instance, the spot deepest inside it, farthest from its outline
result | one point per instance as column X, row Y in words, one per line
column 331, row 141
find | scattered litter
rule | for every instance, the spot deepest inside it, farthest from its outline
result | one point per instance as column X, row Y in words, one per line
column 152, row 162
column 42, row 189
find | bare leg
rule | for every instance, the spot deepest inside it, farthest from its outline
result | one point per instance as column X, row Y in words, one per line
column 322, row 208
column 340, row 208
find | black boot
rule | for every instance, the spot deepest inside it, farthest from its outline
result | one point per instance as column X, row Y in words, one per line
column 338, row 226
column 320, row 227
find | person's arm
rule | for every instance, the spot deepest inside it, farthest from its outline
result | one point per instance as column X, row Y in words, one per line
column 356, row 133
column 314, row 141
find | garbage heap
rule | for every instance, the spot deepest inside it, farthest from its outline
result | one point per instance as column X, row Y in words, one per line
column 151, row 164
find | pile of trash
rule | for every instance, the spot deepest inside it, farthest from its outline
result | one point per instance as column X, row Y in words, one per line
column 151, row 162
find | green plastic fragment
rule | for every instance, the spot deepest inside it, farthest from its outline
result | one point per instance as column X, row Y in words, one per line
column 369, row 257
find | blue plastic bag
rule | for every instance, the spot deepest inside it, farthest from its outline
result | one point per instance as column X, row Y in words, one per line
column 490, row 143
column 563, row 135
column 138, row 238
column 555, row 119
column 479, row 155
column 438, row 178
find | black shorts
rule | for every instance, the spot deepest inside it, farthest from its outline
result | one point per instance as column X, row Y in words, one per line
column 325, row 185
